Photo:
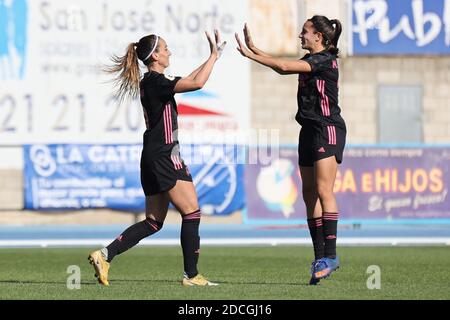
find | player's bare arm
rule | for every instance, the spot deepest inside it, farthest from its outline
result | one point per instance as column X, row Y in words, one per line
column 282, row 66
column 197, row 79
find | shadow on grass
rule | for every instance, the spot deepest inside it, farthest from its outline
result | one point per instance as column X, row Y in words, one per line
column 146, row 281
column 219, row 282
column 43, row 282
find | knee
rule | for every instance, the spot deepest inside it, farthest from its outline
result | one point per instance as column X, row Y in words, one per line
column 309, row 191
column 324, row 191
column 189, row 208
column 154, row 225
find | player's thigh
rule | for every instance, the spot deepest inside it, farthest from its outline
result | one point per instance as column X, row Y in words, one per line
column 325, row 171
column 308, row 180
column 184, row 197
column 156, row 206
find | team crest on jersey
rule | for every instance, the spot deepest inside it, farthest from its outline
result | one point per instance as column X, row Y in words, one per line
column 171, row 78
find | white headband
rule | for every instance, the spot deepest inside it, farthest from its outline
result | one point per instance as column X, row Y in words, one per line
column 154, row 47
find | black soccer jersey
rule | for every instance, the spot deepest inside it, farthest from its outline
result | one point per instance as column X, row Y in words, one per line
column 317, row 95
column 160, row 113
column 161, row 163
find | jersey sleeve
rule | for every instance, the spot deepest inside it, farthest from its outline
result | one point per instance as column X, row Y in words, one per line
column 165, row 85
column 318, row 62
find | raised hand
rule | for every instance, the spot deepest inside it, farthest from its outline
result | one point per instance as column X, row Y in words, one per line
column 248, row 37
column 220, row 46
column 212, row 44
column 241, row 48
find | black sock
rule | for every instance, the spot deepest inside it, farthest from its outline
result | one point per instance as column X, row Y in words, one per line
column 330, row 221
column 316, row 231
column 131, row 237
column 190, row 242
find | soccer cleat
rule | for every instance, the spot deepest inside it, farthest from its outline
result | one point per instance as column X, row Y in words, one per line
column 198, row 280
column 101, row 267
column 324, row 267
column 313, row 264
column 313, row 281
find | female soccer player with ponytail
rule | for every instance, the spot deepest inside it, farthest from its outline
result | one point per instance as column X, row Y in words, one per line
column 323, row 132
column 164, row 175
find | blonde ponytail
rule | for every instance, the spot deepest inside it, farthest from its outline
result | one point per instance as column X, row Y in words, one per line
column 128, row 74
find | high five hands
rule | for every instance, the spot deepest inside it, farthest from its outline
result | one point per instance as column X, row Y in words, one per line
column 216, row 46
column 243, row 50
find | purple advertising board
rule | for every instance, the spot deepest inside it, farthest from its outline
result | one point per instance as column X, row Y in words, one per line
column 372, row 184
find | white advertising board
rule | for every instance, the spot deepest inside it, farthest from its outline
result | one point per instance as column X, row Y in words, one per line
column 53, row 89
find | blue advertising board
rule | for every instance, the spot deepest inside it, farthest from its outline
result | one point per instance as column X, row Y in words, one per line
column 73, row 177
column 397, row 27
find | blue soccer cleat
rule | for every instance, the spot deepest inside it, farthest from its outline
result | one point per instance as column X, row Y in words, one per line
column 324, row 267
column 313, row 281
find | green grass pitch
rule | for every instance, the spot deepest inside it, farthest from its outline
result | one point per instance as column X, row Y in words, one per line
column 260, row 273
